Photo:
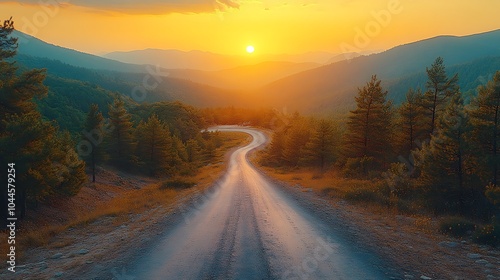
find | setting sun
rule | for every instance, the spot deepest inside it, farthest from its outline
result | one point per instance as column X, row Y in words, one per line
column 250, row 49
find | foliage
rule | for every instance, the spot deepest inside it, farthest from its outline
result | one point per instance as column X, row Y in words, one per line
column 485, row 117
column 439, row 89
column 369, row 127
column 46, row 163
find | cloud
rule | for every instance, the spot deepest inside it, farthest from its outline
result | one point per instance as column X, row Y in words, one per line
column 145, row 6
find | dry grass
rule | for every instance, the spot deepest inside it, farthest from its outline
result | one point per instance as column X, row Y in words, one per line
column 128, row 201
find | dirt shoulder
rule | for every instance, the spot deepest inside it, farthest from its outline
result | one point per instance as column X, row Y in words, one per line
column 412, row 244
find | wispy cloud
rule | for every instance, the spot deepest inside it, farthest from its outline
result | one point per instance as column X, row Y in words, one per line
column 144, row 6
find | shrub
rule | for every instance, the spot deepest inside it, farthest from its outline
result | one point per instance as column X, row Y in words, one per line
column 457, row 227
column 488, row 234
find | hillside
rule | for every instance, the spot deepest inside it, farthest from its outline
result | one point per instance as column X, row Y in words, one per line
column 332, row 87
column 244, row 77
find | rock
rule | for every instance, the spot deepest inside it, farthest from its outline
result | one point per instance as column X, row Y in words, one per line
column 83, row 251
column 58, row 274
column 43, row 265
column 489, row 265
column 423, row 277
column 482, row 261
column 490, row 277
column 57, row 256
column 448, row 244
column 89, row 262
column 409, row 276
column 473, row 256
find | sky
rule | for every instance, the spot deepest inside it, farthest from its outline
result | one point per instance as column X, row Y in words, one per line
column 229, row 26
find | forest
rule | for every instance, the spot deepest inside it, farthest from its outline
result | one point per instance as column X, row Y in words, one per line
column 432, row 154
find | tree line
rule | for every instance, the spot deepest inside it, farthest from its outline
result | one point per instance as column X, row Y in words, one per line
column 434, row 148
column 158, row 139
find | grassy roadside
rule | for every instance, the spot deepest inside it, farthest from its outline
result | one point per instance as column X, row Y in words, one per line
column 423, row 247
column 118, row 202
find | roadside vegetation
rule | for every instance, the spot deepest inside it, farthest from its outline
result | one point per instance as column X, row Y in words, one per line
column 434, row 155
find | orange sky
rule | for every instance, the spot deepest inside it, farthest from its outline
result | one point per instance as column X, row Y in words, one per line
column 228, row 26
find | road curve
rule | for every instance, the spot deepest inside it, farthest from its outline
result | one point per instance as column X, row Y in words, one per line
column 247, row 228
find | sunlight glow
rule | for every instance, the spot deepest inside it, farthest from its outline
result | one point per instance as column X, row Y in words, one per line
column 250, row 49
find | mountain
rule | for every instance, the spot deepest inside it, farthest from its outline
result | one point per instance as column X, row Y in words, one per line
column 207, row 61
column 333, row 87
column 243, row 77
column 29, row 45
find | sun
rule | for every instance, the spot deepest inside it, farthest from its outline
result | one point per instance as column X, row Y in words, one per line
column 250, row 49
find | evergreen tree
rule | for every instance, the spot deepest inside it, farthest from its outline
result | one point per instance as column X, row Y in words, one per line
column 193, row 151
column 297, row 137
column 94, row 134
column 412, row 130
column 321, row 148
column 439, row 89
column 369, row 128
column 45, row 161
column 448, row 162
column 274, row 154
column 154, row 146
column 120, row 139
column 485, row 116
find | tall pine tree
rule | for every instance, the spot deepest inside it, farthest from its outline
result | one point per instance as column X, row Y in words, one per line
column 120, row 140
column 45, row 161
column 155, row 146
column 94, row 134
column 321, row 149
column 448, row 162
column 485, row 116
column 411, row 127
column 369, row 128
column 439, row 89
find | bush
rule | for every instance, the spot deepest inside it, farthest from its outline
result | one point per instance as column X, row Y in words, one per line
column 359, row 167
column 488, row 235
column 457, row 227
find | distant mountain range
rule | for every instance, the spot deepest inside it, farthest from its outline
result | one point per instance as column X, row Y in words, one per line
column 207, row 61
column 332, row 87
column 295, row 84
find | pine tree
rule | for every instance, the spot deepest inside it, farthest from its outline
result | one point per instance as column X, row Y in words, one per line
column 154, row 146
column 297, row 137
column 120, row 139
column 485, row 116
column 411, row 126
column 274, row 154
column 45, row 160
column 439, row 89
column 448, row 162
column 321, row 149
column 369, row 128
column 193, row 151
column 94, row 134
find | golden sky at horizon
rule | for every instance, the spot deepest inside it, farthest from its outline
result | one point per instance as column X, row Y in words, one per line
column 229, row 26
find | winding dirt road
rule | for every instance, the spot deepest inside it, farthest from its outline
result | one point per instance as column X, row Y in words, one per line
column 247, row 228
